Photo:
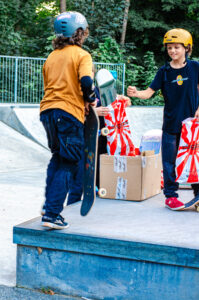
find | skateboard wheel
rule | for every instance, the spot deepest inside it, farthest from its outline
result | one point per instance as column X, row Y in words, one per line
column 104, row 131
column 102, row 192
column 197, row 208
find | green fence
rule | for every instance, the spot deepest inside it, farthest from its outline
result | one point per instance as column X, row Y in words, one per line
column 21, row 78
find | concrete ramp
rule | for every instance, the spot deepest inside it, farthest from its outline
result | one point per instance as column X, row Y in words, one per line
column 18, row 152
column 142, row 119
column 25, row 120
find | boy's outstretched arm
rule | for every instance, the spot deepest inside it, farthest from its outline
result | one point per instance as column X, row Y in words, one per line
column 144, row 94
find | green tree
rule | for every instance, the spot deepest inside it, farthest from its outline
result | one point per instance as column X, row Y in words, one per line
column 105, row 18
column 21, row 33
column 149, row 21
column 124, row 26
column 62, row 6
column 26, row 28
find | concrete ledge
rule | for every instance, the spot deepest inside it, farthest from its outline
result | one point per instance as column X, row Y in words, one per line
column 31, row 234
column 109, row 261
column 101, row 277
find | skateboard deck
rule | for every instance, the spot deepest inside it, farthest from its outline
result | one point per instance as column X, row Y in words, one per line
column 91, row 129
column 106, row 84
column 192, row 204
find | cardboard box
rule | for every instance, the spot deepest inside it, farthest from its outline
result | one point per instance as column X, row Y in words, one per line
column 130, row 178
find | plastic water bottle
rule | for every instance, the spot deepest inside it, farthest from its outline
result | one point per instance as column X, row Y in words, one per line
column 151, row 140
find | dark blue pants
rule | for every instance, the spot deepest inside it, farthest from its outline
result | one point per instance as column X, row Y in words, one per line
column 170, row 143
column 76, row 183
column 65, row 136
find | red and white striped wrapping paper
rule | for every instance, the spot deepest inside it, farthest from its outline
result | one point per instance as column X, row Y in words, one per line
column 119, row 138
column 187, row 161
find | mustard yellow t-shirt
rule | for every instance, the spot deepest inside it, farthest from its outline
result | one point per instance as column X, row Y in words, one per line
column 62, row 72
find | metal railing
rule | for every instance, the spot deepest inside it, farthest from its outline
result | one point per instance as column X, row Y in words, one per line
column 21, row 79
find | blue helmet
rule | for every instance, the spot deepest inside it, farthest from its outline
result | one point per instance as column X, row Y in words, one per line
column 68, row 22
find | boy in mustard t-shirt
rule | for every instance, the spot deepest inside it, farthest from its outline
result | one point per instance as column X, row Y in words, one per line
column 68, row 87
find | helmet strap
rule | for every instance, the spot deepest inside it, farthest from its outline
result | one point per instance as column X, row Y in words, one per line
column 186, row 56
column 167, row 65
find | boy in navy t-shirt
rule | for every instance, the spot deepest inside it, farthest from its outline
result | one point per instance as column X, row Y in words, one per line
column 179, row 81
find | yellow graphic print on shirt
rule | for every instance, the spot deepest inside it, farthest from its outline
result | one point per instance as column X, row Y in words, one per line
column 179, row 80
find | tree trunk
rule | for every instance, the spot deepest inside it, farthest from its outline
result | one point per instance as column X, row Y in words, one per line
column 124, row 26
column 93, row 6
column 62, row 6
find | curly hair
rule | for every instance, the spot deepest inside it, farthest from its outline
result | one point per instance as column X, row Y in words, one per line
column 77, row 39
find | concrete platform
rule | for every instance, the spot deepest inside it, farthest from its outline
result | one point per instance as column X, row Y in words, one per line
column 121, row 250
column 128, row 250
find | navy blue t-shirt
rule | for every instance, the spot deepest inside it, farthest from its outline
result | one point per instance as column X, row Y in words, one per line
column 179, row 89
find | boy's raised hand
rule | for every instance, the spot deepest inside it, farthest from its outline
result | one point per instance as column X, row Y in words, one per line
column 132, row 91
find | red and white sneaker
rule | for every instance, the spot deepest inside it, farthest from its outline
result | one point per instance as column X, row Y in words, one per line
column 173, row 203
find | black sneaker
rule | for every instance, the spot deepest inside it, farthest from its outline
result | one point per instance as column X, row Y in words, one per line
column 54, row 223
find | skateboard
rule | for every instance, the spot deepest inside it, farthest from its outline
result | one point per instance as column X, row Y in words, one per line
column 192, row 204
column 91, row 129
column 106, row 84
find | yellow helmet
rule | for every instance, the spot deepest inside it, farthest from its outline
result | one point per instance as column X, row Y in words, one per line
column 178, row 35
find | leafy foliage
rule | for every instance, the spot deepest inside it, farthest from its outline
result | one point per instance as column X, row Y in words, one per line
column 109, row 52
column 138, row 75
column 105, row 18
column 26, row 28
